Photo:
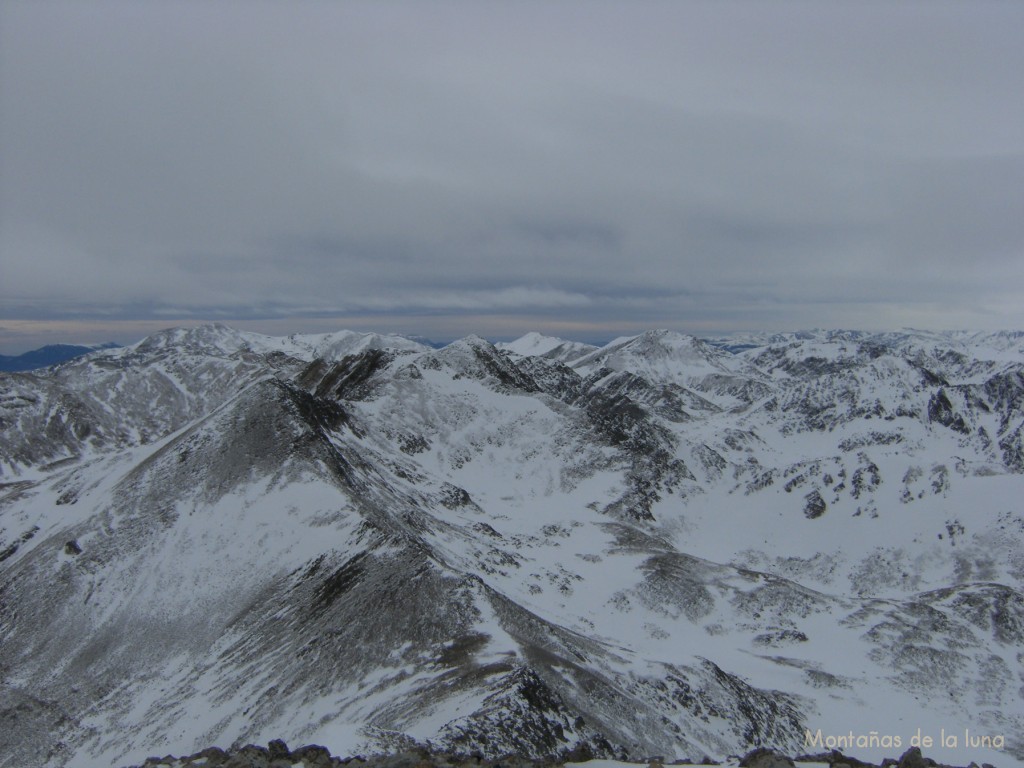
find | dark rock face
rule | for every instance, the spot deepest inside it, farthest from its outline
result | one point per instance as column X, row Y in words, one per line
column 350, row 378
column 766, row 758
column 814, row 505
column 912, row 758
column 940, row 410
column 274, row 755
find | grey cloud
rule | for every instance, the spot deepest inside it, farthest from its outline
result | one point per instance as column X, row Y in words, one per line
column 680, row 164
column 960, row 209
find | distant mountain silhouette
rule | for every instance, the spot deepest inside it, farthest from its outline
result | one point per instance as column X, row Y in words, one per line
column 44, row 357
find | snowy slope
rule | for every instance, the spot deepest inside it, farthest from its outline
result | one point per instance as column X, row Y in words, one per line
column 665, row 357
column 660, row 548
column 548, row 347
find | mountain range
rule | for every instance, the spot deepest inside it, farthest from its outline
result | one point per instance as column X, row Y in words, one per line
column 663, row 546
column 51, row 354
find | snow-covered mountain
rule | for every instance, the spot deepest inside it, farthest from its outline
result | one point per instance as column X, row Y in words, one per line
column 672, row 359
column 549, row 347
column 658, row 547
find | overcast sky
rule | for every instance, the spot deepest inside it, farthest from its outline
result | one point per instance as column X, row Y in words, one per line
column 586, row 169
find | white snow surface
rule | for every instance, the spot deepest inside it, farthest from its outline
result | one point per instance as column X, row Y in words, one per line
column 550, row 347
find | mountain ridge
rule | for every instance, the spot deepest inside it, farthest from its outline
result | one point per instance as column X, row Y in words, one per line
column 50, row 354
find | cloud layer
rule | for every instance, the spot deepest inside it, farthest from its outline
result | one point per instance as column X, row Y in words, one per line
column 604, row 164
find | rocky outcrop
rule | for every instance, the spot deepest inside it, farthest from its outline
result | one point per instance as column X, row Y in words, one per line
column 277, row 755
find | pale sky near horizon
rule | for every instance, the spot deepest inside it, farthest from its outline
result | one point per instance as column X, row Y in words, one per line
column 586, row 169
